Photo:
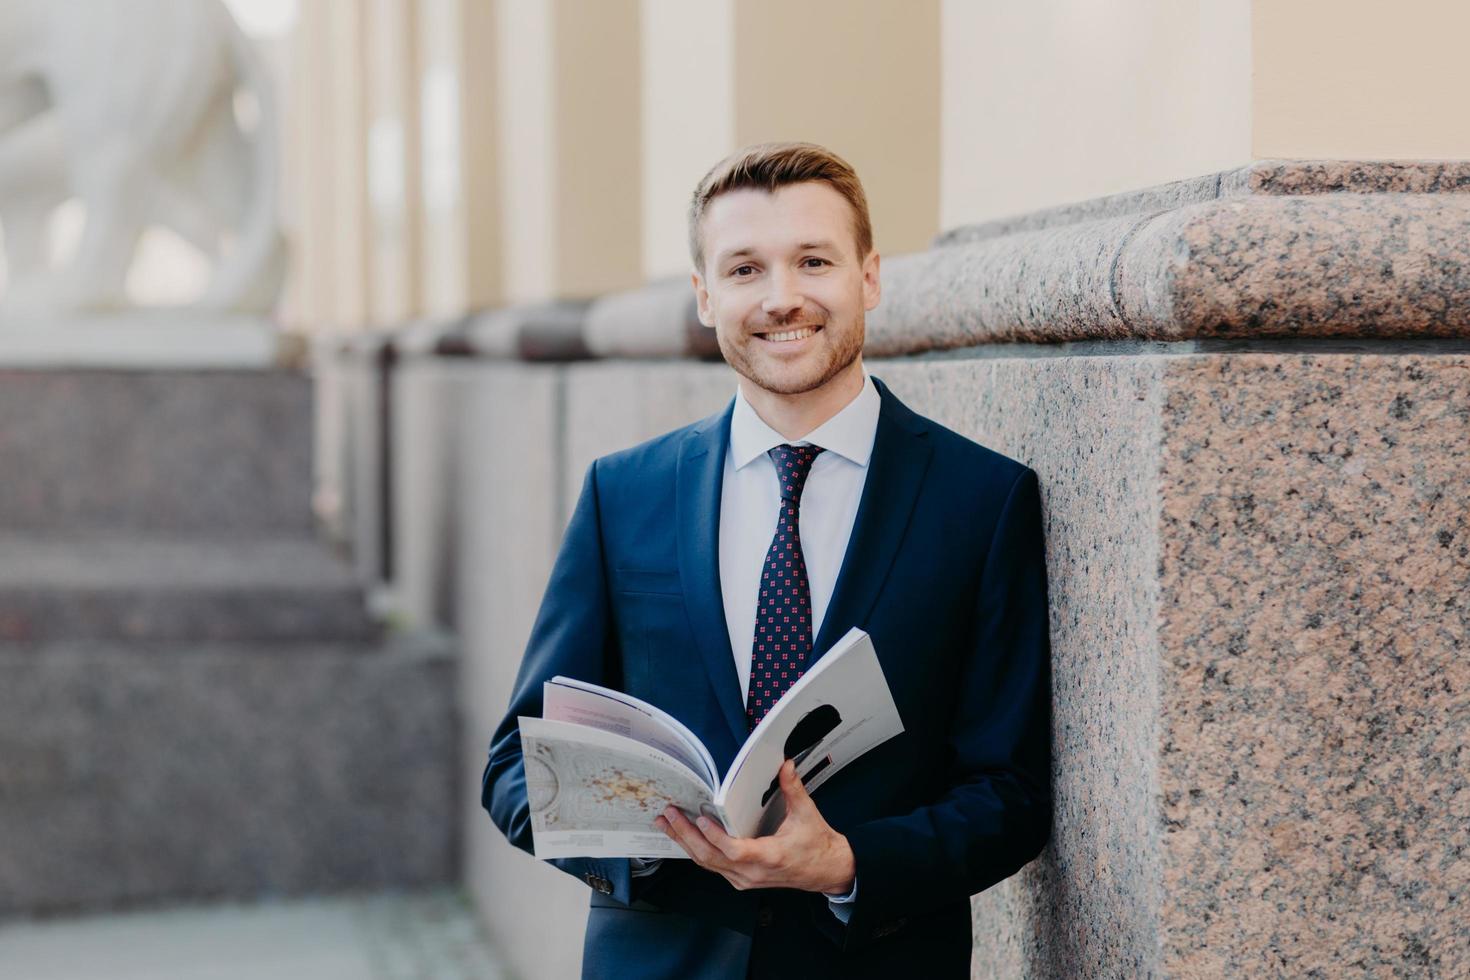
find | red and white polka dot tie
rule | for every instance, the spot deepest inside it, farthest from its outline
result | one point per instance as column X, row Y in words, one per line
column 783, row 613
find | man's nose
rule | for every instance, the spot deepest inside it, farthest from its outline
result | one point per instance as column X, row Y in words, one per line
column 782, row 298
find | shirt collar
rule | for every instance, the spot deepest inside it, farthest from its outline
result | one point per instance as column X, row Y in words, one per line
column 849, row 433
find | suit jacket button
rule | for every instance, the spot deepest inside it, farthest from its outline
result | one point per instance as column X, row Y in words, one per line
column 765, row 916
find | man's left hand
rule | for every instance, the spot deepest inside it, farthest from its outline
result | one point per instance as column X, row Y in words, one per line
column 804, row 853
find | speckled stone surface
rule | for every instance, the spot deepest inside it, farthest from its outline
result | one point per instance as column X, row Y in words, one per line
column 1276, row 249
column 1353, row 176
column 179, row 451
column 1045, row 285
column 1314, row 720
column 112, row 586
column 143, row 773
column 1324, row 265
column 1259, row 568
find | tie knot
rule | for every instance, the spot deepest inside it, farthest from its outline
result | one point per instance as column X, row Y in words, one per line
column 793, row 464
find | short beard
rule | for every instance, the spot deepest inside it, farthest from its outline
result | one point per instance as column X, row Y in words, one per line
column 842, row 358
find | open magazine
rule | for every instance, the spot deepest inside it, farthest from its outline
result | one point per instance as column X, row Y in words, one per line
column 601, row 765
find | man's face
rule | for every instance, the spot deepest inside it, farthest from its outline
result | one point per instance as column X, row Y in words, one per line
column 783, row 285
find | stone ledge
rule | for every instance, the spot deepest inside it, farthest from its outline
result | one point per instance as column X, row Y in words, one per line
column 152, row 340
column 1277, row 249
column 1264, row 177
column 552, row 331
column 130, row 587
column 655, row 321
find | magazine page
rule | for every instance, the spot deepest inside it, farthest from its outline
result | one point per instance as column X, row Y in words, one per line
column 583, row 703
column 595, row 793
column 839, row 709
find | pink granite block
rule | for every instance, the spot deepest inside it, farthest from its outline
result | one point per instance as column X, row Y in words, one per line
column 1314, row 719
column 1260, row 602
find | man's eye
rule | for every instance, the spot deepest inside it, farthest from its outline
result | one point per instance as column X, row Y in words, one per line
column 742, row 270
column 813, row 258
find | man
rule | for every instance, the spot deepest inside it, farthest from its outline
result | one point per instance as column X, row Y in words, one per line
column 813, row 503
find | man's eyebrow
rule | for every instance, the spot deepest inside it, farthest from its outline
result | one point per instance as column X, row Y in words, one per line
column 724, row 257
column 812, row 246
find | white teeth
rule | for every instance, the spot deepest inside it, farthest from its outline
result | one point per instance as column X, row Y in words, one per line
column 792, row 334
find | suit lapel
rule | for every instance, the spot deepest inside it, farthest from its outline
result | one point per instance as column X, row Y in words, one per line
column 699, row 484
column 901, row 451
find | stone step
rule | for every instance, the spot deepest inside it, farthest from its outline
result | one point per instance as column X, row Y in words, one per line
column 220, row 588
column 389, row 935
column 183, row 451
column 144, row 773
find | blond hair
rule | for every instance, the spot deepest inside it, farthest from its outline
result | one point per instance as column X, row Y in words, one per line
column 767, row 166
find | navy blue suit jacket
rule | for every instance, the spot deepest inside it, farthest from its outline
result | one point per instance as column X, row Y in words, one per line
column 945, row 570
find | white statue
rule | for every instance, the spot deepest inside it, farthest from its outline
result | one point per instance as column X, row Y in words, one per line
column 129, row 105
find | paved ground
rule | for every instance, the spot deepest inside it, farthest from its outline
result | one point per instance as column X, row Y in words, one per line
column 379, row 937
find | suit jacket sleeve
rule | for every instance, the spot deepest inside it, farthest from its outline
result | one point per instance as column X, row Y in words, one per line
column 572, row 636
column 996, row 814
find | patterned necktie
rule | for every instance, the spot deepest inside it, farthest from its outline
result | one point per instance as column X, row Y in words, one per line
column 783, row 613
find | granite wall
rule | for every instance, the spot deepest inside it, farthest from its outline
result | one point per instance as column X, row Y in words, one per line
column 1314, row 718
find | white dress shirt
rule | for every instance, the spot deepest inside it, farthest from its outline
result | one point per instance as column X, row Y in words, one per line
column 750, row 501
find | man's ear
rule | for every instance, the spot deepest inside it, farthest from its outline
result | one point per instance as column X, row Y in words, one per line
column 872, row 287
column 701, row 300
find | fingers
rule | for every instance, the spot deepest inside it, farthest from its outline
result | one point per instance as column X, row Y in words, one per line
column 742, row 863
column 798, row 801
column 732, row 848
column 688, row 836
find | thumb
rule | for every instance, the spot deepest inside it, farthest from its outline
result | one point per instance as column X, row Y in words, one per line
column 798, row 800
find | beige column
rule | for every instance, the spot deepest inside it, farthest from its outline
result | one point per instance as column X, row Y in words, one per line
column 459, row 258
column 1047, row 103
column 343, row 177
column 569, row 96
column 328, row 168
column 1359, row 79
column 393, row 160
column 858, row 76
column 688, row 117
column 479, row 126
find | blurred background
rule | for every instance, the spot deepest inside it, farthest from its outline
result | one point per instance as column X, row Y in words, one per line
column 439, row 156
column 284, row 282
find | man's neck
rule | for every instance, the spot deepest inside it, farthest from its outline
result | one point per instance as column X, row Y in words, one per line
column 794, row 416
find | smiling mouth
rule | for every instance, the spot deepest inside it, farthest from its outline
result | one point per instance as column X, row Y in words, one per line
column 784, row 336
